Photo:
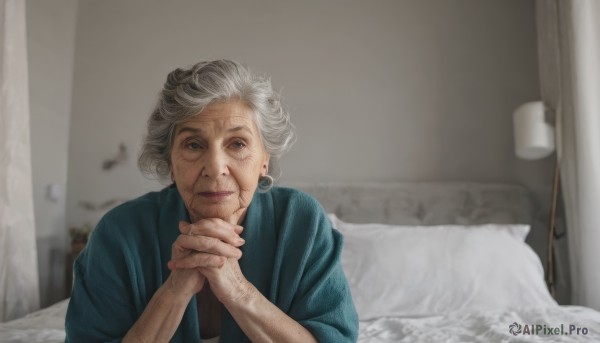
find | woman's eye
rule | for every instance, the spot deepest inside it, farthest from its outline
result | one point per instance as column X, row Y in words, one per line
column 192, row 145
column 238, row 145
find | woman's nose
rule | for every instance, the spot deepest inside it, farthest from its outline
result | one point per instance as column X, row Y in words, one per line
column 215, row 163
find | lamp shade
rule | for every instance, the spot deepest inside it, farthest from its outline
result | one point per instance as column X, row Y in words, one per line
column 534, row 137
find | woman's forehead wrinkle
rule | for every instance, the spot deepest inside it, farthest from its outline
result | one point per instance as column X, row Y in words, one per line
column 215, row 122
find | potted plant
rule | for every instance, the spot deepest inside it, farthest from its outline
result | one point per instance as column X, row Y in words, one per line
column 79, row 237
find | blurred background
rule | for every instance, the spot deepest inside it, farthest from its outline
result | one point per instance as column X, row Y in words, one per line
column 384, row 90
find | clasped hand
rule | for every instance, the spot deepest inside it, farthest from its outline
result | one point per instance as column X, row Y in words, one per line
column 208, row 250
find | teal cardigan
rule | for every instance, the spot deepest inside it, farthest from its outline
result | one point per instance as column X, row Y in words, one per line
column 291, row 256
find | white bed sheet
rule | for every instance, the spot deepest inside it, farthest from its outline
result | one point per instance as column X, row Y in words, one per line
column 47, row 325
column 488, row 326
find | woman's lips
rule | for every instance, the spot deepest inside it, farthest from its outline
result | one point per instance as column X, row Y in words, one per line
column 215, row 196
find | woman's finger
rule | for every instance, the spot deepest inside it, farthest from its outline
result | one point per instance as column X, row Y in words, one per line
column 209, row 245
column 214, row 227
column 198, row 260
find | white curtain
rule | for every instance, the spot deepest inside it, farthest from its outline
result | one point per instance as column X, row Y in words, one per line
column 569, row 53
column 19, row 285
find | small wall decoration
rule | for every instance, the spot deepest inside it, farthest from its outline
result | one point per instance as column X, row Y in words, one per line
column 119, row 158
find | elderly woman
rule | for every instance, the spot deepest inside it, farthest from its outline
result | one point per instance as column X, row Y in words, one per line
column 220, row 255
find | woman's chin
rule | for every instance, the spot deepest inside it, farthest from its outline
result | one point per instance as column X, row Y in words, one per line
column 214, row 211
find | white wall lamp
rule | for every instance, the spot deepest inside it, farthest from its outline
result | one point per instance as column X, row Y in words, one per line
column 535, row 139
column 534, row 136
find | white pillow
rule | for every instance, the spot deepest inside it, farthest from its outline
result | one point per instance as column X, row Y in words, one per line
column 431, row 270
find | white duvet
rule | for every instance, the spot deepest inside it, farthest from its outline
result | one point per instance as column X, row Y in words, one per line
column 490, row 326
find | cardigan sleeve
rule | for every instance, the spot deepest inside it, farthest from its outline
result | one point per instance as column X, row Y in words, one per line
column 101, row 307
column 323, row 302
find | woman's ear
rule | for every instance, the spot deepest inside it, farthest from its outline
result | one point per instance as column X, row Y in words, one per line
column 265, row 166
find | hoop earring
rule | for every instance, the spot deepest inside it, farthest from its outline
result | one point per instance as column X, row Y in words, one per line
column 265, row 183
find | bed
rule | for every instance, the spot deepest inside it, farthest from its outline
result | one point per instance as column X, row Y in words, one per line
column 426, row 262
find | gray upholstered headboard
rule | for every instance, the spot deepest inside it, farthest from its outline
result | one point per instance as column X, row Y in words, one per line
column 427, row 203
column 434, row 203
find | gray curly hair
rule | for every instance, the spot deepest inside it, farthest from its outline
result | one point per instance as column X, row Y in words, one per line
column 188, row 91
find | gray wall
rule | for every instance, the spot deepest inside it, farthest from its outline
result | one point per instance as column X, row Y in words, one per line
column 382, row 90
column 50, row 43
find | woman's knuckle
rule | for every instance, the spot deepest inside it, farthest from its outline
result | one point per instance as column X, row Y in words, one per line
column 219, row 261
column 211, row 222
column 212, row 242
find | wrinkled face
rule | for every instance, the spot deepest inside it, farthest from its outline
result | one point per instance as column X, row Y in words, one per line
column 216, row 160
